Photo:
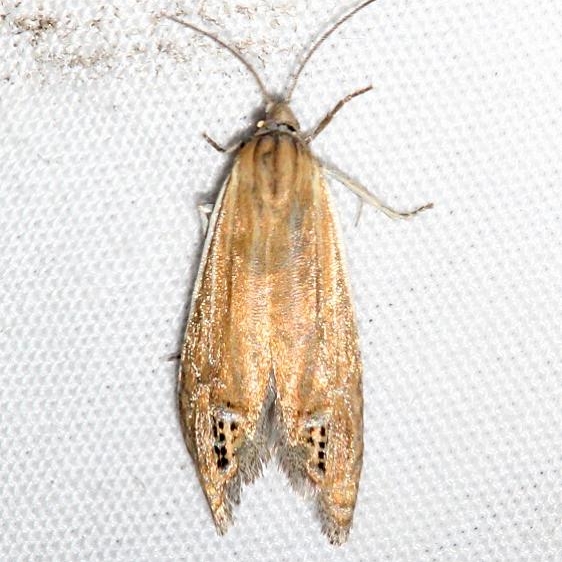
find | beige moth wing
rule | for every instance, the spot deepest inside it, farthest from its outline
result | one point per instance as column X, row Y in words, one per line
column 316, row 360
column 224, row 387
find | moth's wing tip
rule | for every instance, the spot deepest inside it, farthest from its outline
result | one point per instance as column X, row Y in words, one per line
column 337, row 533
column 223, row 516
column 337, row 537
column 223, row 522
column 336, row 518
column 335, row 521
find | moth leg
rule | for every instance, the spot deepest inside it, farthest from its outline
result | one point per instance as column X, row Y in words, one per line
column 330, row 115
column 205, row 211
column 224, row 149
column 372, row 199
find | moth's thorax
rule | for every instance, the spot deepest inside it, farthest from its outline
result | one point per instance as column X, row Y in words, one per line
column 278, row 117
column 277, row 176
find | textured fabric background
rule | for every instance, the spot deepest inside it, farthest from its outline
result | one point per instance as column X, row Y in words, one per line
column 102, row 167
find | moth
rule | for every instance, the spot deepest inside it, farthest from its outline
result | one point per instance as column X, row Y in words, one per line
column 270, row 364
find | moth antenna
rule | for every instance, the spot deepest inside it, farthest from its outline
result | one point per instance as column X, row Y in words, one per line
column 232, row 50
column 290, row 89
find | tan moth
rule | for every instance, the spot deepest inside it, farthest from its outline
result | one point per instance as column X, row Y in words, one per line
column 270, row 364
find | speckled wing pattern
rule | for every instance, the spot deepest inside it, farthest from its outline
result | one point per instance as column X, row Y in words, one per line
column 270, row 362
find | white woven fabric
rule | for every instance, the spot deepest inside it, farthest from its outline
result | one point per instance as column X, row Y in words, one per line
column 102, row 168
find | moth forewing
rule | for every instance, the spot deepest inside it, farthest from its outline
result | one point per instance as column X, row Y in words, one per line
column 318, row 367
column 223, row 381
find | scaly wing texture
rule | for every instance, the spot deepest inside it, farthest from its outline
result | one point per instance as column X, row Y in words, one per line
column 316, row 360
column 225, row 389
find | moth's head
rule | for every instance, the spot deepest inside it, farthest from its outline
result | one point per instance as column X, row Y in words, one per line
column 277, row 114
